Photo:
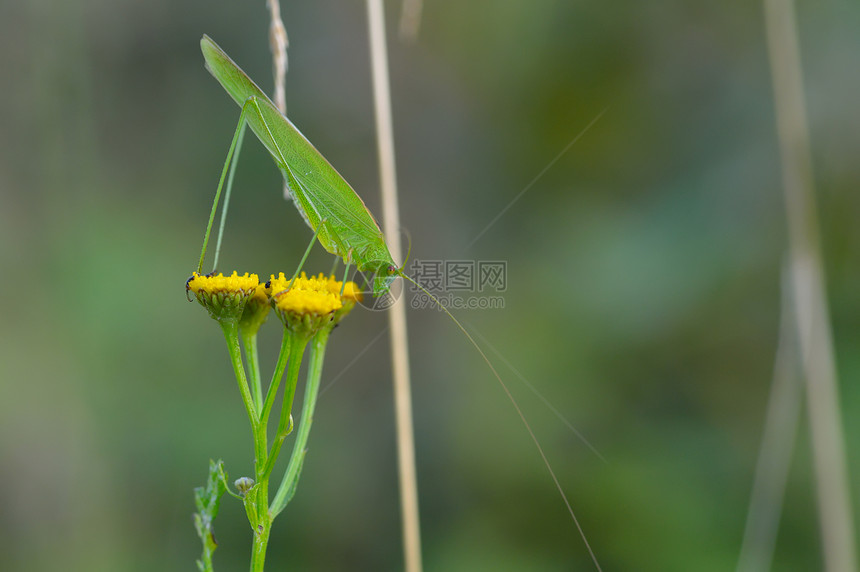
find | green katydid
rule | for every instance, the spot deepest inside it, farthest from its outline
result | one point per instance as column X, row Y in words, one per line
column 339, row 218
column 343, row 225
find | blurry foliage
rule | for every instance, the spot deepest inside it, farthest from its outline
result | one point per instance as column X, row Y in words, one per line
column 643, row 279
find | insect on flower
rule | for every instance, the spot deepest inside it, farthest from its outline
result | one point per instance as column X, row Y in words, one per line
column 341, row 221
column 328, row 204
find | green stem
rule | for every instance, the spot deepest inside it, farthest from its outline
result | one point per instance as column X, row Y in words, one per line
column 291, row 476
column 261, row 495
column 231, row 335
column 285, row 423
column 290, row 358
column 276, row 377
column 249, row 342
column 258, row 430
column 261, row 538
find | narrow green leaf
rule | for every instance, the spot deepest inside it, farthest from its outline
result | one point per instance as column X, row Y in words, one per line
column 207, row 499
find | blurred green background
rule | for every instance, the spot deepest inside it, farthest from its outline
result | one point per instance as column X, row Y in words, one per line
column 642, row 300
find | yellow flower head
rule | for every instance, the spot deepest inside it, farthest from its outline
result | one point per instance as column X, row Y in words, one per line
column 223, row 296
column 311, row 303
column 220, row 283
column 351, row 295
column 305, row 296
column 351, row 291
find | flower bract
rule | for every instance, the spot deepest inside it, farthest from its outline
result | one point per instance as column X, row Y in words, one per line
column 223, row 296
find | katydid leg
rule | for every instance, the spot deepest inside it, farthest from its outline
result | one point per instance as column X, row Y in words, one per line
column 228, row 193
column 345, row 273
column 237, row 136
column 305, row 256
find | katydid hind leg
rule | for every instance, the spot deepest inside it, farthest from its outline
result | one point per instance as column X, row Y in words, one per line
column 331, row 235
column 237, row 136
column 228, row 192
column 290, row 178
column 280, row 159
column 331, row 227
column 254, row 103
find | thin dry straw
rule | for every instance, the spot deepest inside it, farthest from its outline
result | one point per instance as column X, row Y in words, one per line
column 777, row 444
column 410, row 20
column 808, row 291
column 278, row 44
column 397, row 313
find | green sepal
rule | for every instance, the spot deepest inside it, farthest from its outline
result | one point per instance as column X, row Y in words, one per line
column 208, row 499
column 250, row 501
column 254, row 314
column 224, row 306
column 301, row 324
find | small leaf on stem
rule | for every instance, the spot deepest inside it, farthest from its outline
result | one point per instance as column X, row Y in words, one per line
column 208, row 499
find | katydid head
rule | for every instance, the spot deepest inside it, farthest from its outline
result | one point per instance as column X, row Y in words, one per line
column 385, row 274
